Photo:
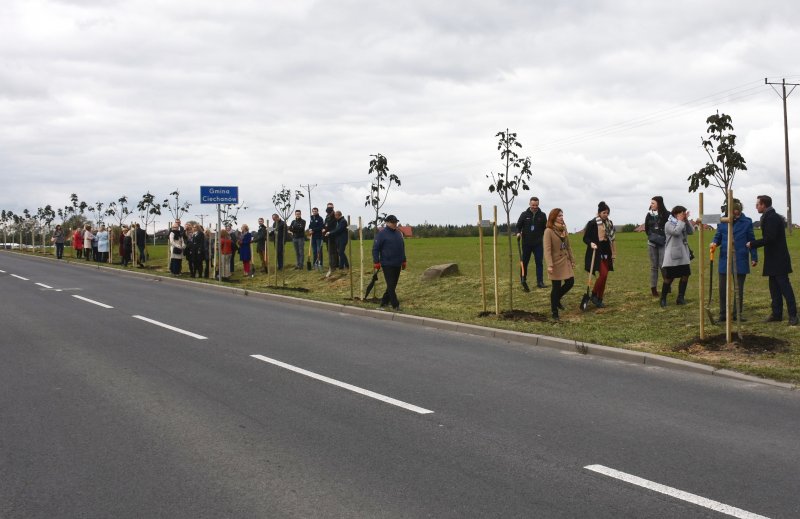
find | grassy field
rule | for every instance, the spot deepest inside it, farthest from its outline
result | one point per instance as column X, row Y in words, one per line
column 632, row 320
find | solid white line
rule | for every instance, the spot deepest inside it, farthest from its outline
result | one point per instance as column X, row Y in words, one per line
column 344, row 385
column 168, row 327
column 20, row 277
column 92, row 301
column 674, row 492
column 2, row 271
column 43, row 285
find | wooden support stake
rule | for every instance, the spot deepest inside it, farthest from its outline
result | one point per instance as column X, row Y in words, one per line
column 350, row 257
column 701, row 255
column 480, row 246
column 361, row 260
column 494, row 256
column 729, row 272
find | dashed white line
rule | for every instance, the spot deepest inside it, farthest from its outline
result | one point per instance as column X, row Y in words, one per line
column 92, row 301
column 2, row 271
column 674, row 492
column 344, row 385
column 168, row 327
column 43, row 285
column 19, row 277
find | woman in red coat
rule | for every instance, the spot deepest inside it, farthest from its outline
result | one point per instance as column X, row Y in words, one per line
column 77, row 242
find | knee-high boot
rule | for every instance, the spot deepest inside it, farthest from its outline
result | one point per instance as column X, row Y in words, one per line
column 665, row 290
column 681, row 300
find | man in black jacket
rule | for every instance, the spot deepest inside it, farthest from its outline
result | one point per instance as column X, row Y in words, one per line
column 330, row 226
column 261, row 244
column 297, row 229
column 530, row 228
column 279, row 231
column 777, row 263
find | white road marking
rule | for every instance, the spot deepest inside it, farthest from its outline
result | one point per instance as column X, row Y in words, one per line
column 674, row 492
column 92, row 301
column 344, row 385
column 2, row 271
column 19, row 277
column 43, row 285
column 168, row 327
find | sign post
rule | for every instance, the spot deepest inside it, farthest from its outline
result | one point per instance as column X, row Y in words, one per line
column 219, row 195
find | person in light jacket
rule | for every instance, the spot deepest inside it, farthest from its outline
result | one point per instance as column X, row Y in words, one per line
column 176, row 246
column 102, row 244
column 677, row 255
column 744, row 257
column 88, row 240
column 559, row 259
column 389, row 254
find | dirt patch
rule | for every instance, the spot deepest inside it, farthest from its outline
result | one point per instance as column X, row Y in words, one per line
column 289, row 289
column 517, row 315
column 749, row 343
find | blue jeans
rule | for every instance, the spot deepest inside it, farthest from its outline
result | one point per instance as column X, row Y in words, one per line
column 316, row 249
column 299, row 251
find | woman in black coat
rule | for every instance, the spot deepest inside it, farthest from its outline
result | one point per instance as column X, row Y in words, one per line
column 654, row 223
column 599, row 235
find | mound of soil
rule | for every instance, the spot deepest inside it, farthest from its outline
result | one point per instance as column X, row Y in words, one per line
column 289, row 289
column 517, row 315
column 749, row 343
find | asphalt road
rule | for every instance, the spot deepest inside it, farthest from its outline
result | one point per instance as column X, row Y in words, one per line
column 106, row 414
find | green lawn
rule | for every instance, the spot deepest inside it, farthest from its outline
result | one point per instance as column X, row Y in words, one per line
column 633, row 318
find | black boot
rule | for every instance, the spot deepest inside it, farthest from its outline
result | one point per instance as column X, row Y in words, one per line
column 665, row 289
column 524, row 284
column 681, row 300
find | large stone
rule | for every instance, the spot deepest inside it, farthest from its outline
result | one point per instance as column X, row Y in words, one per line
column 437, row 271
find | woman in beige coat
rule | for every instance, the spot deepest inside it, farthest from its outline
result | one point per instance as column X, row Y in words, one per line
column 559, row 258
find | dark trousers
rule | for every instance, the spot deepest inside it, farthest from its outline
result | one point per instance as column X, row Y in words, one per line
column 59, row 250
column 392, row 276
column 342, row 248
column 175, row 265
column 333, row 253
column 196, row 265
column 780, row 288
column 280, row 249
column 723, row 294
column 141, row 257
column 557, row 291
column 538, row 253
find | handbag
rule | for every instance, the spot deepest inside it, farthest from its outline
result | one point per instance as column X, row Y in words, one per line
column 658, row 239
column 177, row 250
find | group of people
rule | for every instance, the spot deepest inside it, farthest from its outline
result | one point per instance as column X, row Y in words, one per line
column 196, row 245
column 94, row 243
column 547, row 240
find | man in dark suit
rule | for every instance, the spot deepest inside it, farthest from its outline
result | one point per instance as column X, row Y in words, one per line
column 777, row 264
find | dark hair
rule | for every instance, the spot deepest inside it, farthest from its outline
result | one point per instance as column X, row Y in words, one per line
column 678, row 209
column 661, row 208
column 533, row 199
column 765, row 200
column 551, row 218
column 602, row 206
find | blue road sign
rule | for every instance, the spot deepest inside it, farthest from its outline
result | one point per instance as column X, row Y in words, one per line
column 219, row 194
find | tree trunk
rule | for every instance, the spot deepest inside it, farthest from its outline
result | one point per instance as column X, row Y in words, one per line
column 510, row 264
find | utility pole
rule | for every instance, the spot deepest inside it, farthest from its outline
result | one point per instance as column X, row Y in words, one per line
column 308, row 188
column 783, row 96
column 201, row 216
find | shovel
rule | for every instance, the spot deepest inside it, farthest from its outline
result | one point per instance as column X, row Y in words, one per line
column 522, row 274
column 737, row 305
column 371, row 284
column 585, row 299
column 308, row 261
column 709, row 312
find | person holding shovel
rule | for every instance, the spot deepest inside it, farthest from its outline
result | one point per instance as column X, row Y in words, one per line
column 559, row 258
column 744, row 257
column 599, row 235
column 530, row 229
column 389, row 254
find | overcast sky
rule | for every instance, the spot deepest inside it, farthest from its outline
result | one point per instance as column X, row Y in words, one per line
column 106, row 98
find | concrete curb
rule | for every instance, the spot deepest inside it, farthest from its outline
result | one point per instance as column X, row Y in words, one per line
column 530, row 339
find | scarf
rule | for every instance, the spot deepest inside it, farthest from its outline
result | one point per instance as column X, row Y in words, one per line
column 560, row 230
column 605, row 229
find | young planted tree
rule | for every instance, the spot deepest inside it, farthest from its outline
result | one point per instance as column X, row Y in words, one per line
column 724, row 161
column 507, row 183
column 46, row 215
column 119, row 210
column 148, row 210
column 6, row 217
column 229, row 213
column 284, row 202
column 78, row 207
column 379, row 187
column 174, row 205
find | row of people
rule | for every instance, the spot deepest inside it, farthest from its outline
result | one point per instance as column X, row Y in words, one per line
column 94, row 244
column 667, row 233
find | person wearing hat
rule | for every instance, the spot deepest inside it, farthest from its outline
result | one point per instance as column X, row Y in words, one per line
column 599, row 235
column 742, row 256
column 389, row 255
